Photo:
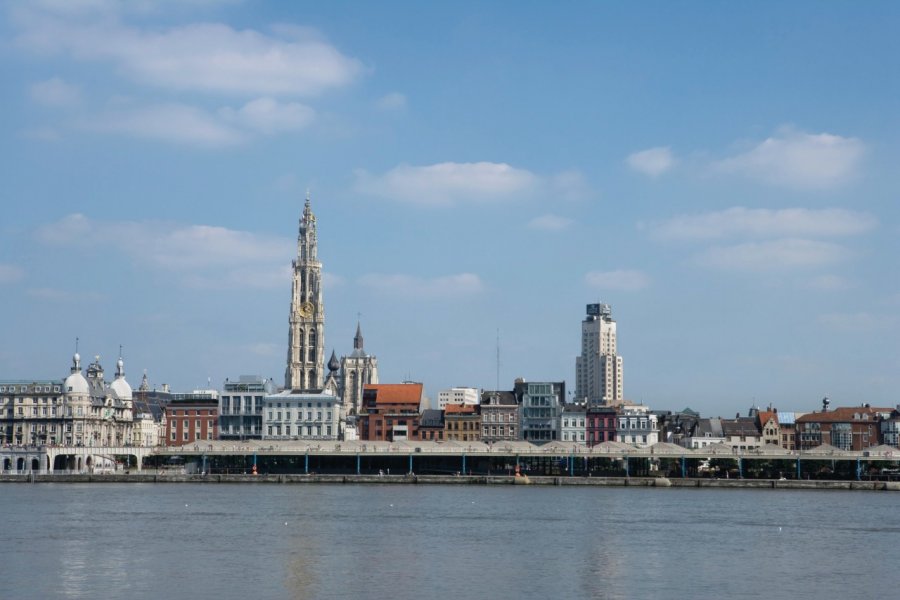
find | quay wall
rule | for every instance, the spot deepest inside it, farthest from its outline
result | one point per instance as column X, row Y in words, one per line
column 145, row 477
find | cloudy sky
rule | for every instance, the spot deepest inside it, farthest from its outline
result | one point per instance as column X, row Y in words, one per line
column 725, row 176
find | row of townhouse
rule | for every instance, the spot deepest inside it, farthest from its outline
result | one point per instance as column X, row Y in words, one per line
column 532, row 411
column 854, row 428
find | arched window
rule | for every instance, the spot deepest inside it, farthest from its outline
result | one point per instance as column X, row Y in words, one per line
column 298, row 341
column 312, row 338
column 312, row 379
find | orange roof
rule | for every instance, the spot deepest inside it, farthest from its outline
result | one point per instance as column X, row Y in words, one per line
column 460, row 409
column 765, row 415
column 845, row 413
column 396, row 393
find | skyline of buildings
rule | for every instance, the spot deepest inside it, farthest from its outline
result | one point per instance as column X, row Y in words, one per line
column 736, row 208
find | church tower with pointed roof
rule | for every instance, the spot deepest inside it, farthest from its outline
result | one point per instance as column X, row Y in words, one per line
column 357, row 370
column 306, row 334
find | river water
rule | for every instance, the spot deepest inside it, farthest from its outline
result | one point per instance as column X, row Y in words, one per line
column 406, row 541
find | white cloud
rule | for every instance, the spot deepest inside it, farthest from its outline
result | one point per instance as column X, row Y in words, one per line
column 201, row 256
column 550, row 223
column 568, row 185
column 449, row 183
column 55, row 92
column 857, row 322
column 448, row 286
column 176, row 123
column 269, row 116
column 772, row 255
column 622, row 280
column 799, row 160
column 391, row 102
column 206, row 57
column 748, row 222
column 653, row 162
column 10, row 273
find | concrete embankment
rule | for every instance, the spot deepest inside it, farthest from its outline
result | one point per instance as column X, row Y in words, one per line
column 151, row 477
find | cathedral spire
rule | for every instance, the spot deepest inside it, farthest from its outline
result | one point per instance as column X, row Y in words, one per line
column 358, row 338
column 306, row 357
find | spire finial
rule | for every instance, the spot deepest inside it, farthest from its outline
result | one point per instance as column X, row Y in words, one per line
column 358, row 338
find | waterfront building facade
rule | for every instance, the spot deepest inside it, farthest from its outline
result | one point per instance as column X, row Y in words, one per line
column 574, row 423
column 741, row 433
column 241, row 407
column 637, row 425
column 499, row 417
column 598, row 370
column 845, row 428
column 600, row 424
column 80, row 411
column 306, row 334
column 707, row 433
column 33, row 412
column 431, row 425
column 769, row 429
column 357, row 370
column 541, row 404
column 462, row 423
column 291, row 415
column 390, row 412
column 192, row 418
column 890, row 429
column 458, row 395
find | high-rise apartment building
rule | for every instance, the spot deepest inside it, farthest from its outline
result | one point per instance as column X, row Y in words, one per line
column 598, row 371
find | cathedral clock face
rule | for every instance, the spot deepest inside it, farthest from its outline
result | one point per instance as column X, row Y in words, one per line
column 307, row 309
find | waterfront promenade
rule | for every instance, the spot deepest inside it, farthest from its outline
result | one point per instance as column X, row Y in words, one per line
column 359, row 459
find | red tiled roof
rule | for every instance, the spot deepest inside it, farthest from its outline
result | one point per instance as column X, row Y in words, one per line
column 396, row 393
column 845, row 414
column 765, row 415
column 461, row 409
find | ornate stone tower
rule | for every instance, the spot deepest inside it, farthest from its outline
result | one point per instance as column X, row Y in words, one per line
column 357, row 370
column 306, row 339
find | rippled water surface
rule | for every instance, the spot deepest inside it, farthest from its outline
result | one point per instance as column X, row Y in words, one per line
column 406, row 541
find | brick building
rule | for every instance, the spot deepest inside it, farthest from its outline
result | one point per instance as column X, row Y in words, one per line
column 192, row 418
column 390, row 412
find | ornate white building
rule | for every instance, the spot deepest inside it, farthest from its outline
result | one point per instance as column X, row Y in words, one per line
column 80, row 411
column 306, row 339
column 598, row 371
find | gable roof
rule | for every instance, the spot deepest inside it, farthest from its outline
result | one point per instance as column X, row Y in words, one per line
column 766, row 415
column 395, row 393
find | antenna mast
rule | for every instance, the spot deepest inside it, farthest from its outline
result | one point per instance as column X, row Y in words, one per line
column 498, row 360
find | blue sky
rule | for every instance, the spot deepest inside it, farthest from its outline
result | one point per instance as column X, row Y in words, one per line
column 725, row 176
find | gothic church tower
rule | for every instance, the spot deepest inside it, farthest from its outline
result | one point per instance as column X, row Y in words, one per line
column 306, row 338
column 357, row 370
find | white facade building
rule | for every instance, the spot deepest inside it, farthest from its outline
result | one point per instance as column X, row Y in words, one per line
column 637, row 426
column 458, row 395
column 301, row 416
column 598, row 371
column 574, row 423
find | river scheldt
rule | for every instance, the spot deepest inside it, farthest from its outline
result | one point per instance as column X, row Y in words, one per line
column 227, row 541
